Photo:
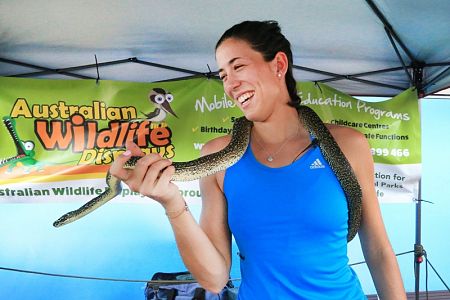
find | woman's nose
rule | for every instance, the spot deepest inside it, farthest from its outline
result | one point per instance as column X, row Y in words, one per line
column 232, row 84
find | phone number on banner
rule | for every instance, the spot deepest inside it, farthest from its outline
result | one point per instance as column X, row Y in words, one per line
column 397, row 152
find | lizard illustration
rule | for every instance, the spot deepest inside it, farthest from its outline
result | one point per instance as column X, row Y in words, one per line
column 25, row 151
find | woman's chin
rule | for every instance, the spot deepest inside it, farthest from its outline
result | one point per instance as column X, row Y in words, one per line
column 251, row 116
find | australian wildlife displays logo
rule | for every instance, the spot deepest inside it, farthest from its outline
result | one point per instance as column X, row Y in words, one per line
column 99, row 131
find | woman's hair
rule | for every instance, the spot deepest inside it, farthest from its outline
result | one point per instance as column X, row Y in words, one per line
column 266, row 38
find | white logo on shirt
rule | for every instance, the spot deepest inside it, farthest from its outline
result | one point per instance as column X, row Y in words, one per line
column 317, row 164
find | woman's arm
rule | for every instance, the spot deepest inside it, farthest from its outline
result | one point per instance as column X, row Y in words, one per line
column 205, row 249
column 210, row 264
column 375, row 244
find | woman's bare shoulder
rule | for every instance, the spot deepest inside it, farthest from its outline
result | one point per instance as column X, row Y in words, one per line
column 347, row 136
column 352, row 142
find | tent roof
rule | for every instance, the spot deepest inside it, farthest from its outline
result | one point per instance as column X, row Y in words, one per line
column 341, row 39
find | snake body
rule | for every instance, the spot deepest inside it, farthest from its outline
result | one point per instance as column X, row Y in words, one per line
column 215, row 162
column 184, row 171
column 339, row 164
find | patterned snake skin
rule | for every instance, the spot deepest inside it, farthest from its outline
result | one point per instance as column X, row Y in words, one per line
column 215, row 162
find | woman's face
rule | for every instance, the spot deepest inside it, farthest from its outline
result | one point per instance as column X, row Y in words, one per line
column 248, row 79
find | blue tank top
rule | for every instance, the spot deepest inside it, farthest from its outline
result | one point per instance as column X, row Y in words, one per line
column 290, row 224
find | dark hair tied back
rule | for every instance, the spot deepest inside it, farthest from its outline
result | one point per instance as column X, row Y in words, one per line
column 266, row 38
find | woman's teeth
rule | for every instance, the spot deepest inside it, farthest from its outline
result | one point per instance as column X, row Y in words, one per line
column 244, row 97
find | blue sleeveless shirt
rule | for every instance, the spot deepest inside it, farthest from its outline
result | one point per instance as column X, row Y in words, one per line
column 290, row 224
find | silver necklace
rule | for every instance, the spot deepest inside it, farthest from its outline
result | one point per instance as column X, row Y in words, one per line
column 270, row 157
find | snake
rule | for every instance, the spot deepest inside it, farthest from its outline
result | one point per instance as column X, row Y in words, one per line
column 221, row 160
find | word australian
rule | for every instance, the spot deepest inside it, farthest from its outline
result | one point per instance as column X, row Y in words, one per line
column 98, row 110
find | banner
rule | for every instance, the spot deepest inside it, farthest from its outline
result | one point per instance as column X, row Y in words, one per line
column 392, row 128
column 60, row 136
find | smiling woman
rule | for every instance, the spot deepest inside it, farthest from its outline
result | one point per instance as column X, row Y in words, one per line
column 282, row 201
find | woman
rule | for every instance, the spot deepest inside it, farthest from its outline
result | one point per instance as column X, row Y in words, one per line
column 289, row 220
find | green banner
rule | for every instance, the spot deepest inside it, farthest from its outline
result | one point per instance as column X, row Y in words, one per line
column 60, row 136
column 64, row 134
column 392, row 128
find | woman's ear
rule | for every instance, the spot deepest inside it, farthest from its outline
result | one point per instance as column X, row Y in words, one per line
column 281, row 61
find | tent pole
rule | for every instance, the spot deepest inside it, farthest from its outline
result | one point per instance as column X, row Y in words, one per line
column 346, row 77
column 156, row 65
column 438, row 76
column 76, row 68
column 365, row 73
column 389, row 27
column 398, row 55
column 48, row 70
column 418, row 248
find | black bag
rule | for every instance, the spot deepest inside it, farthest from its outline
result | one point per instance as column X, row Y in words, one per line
column 184, row 290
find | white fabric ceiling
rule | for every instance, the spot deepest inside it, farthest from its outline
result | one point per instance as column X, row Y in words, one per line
column 342, row 37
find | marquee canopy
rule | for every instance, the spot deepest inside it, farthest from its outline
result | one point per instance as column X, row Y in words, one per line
column 361, row 47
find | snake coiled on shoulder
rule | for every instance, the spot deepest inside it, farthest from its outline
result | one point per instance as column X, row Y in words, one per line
column 215, row 162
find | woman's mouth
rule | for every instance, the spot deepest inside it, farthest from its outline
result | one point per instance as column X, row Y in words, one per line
column 245, row 97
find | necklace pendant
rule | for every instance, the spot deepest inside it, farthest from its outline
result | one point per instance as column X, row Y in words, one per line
column 270, row 158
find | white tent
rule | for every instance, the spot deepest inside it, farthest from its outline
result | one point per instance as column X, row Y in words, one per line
column 372, row 47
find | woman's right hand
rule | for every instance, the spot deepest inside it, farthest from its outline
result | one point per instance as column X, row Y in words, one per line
column 151, row 177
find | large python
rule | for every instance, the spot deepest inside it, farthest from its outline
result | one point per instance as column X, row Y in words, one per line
column 215, row 162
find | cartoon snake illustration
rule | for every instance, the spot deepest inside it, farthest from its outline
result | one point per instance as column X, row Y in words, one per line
column 215, row 162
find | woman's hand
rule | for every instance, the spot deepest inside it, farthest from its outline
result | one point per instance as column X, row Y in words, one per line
column 151, row 177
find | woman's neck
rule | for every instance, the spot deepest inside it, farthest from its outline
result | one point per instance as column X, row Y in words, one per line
column 279, row 127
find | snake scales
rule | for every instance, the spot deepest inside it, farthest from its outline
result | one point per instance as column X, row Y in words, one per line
column 215, row 162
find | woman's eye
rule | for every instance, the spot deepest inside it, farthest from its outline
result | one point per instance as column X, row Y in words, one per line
column 237, row 67
column 222, row 77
